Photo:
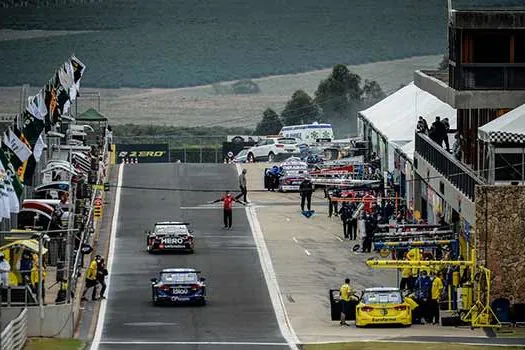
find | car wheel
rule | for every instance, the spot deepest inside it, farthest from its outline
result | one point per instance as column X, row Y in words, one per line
column 250, row 158
column 271, row 157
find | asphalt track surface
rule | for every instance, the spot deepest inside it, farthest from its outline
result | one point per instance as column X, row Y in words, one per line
column 239, row 314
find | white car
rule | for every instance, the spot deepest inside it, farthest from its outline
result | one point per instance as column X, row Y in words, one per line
column 268, row 148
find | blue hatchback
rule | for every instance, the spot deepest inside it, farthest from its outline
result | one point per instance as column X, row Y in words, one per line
column 179, row 286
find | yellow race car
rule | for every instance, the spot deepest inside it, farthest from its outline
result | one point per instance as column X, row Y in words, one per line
column 382, row 306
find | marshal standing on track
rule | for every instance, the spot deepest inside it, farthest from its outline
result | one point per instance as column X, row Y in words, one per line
column 228, row 200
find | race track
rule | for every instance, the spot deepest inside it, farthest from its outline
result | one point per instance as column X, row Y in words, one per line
column 239, row 314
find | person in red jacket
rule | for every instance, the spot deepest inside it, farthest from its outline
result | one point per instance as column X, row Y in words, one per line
column 228, row 200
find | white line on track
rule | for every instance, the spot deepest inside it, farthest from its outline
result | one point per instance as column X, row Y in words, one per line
column 191, row 343
column 307, row 252
column 295, row 240
column 339, row 239
column 114, row 223
column 269, row 275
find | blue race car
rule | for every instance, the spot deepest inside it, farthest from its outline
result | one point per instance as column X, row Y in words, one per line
column 178, row 286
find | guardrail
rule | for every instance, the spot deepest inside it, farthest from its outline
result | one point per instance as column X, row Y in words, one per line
column 14, row 336
column 463, row 178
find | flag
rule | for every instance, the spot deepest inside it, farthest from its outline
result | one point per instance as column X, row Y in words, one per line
column 40, row 145
column 36, row 106
column 5, row 210
column 11, row 174
column 78, row 71
column 31, row 126
column 66, row 76
column 14, row 203
column 17, row 147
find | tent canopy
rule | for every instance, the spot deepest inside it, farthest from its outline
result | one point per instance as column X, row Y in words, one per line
column 509, row 128
column 395, row 117
column 30, row 244
column 91, row 115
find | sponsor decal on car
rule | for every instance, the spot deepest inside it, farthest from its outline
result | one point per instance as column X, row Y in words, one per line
column 172, row 240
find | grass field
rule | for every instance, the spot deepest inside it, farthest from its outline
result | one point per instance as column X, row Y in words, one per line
column 402, row 346
column 54, row 344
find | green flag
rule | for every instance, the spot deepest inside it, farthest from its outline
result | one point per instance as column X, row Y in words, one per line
column 11, row 173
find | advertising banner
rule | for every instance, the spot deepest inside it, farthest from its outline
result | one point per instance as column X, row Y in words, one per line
column 142, row 153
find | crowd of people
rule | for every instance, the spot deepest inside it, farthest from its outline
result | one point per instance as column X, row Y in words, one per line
column 438, row 132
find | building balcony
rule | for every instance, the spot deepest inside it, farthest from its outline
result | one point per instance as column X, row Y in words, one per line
column 478, row 86
column 449, row 178
column 457, row 173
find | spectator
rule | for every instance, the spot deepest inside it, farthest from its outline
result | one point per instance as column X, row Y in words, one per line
column 5, row 268
column 228, row 200
column 422, row 126
column 437, row 131
column 370, row 226
column 456, row 147
column 423, row 286
column 446, row 124
column 102, row 272
column 91, row 280
column 242, row 185
column 361, row 226
column 332, row 204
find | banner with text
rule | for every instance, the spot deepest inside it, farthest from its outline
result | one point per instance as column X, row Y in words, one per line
column 142, row 153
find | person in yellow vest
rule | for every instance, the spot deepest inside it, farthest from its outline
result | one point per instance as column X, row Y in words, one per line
column 435, row 297
column 35, row 278
column 91, row 280
column 345, row 293
column 406, row 279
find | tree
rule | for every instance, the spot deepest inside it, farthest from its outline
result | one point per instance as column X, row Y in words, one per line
column 339, row 90
column 270, row 123
column 301, row 109
column 372, row 91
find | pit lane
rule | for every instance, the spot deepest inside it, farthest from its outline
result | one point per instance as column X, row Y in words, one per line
column 239, row 314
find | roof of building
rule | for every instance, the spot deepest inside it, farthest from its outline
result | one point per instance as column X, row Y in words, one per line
column 509, row 128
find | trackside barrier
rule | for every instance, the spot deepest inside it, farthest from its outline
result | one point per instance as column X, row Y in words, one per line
column 14, row 336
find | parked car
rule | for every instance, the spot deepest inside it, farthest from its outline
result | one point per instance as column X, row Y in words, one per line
column 241, row 157
column 383, row 306
column 268, row 148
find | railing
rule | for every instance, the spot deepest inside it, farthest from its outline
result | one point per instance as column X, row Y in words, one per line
column 463, row 178
column 86, row 233
column 487, row 76
column 14, row 336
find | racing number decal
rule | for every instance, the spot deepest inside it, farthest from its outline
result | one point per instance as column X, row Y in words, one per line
column 180, row 291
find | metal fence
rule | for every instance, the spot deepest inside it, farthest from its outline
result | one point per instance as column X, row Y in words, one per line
column 14, row 336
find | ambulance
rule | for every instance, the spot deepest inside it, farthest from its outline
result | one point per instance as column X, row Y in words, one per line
column 309, row 133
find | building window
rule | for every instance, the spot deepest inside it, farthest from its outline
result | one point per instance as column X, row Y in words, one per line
column 508, row 166
column 519, row 47
column 491, row 47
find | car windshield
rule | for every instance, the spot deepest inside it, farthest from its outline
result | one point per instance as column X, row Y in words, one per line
column 179, row 277
column 241, row 153
column 383, row 297
column 287, row 141
column 171, row 229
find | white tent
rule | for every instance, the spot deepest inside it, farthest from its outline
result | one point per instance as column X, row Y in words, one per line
column 395, row 117
column 509, row 128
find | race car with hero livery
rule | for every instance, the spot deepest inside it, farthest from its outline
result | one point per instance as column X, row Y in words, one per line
column 178, row 286
column 170, row 236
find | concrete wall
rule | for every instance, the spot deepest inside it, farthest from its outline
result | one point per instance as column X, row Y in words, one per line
column 469, row 99
column 500, row 227
column 58, row 320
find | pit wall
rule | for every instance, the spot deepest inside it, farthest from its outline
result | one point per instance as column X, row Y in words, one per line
column 500, row 238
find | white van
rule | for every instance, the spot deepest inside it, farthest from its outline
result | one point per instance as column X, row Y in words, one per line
column 309, row 133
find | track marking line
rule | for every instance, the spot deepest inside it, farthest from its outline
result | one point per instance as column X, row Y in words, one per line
column 191, row 343
column 295, row 240
column 307, row 252
column 112, row 238
column 269, row 275
column 339, row 239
